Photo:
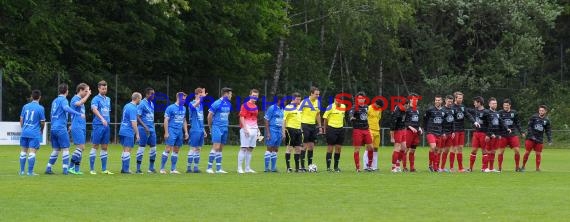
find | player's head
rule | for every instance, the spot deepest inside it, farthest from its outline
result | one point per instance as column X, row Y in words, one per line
column 102, row 87
column 136, row 97
column 413, row 99
column 458, row 97
column 227, row 92
column 478, row 101
column 361, row 98
column 279, row 100
column 180, row 97
column 493, row 103
column 448, row 100
column 315, row 93
column 36, row 94
column 253, row 95
column 62, row 89
column 542, row 110
column 437, row 100
column 199, row 92
column 82, row 89
column 507, row 104
column 296, row 98
column 149, row 93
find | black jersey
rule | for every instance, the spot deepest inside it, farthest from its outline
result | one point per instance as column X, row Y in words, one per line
column 537, row 126
column 461, row 113
column 412, row 118
column 360, row 114
column 398, row 118
column 433, row 120
column 511, row 119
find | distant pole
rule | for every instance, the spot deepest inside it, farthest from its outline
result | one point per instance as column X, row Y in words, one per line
column 561, row 61
column 265, row 93
column 116, row 106
column 168, row 86
column 219, row 87
column 1, row 89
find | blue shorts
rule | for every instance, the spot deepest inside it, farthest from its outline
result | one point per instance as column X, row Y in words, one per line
column 59, row 139
column 219, row 134
column 175, row 137
column 100, row 135
column 27, row 142
column 127, row 141
column 78, row 136
column 196, row 139
column 147, row 139
column 275, row 140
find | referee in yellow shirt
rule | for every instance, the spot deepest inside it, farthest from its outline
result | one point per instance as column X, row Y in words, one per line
column 311, row 124
column 292, row 131
column 374, row 119
column 334, row 121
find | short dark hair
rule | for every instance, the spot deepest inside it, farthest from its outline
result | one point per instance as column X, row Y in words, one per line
column 147, row 91
column 449, row 97
column 226, row 90
column 361, row 93
column 253, row 91
column 544, row 107
column 101, row 83
column 81, row 86
column 438, row 96
column 62, row 88
column 492, row 99
column 507, row 101
column 36, row 94
column 458, row 93
column 313, row 89
column 295, row 95
column 479, row 99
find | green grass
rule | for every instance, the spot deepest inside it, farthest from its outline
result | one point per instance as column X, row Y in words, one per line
column 346, row 196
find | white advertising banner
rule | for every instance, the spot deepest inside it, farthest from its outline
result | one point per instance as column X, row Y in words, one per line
column 10, row 133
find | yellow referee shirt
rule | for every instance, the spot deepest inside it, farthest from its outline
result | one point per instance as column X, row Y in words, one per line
column 309, row 111
column 374, row 116
column 292, row 116
column 335, row 115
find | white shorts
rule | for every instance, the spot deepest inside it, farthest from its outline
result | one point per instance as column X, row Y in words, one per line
column 248, row 141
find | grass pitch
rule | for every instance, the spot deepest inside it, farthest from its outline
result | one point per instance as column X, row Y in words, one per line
column 322, row 196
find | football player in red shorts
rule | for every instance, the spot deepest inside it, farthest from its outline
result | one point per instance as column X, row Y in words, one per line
column 481, row 115
column 511, row 119
column 433, row 120
column 360, row 133
column 448, row 131
column 459, row 127
column 398, row 136
column 413, row 130
column 495, row 126
column 537, row 126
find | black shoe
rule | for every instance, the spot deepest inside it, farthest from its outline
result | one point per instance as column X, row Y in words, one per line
column 126, row 172
column 518, row 170
column 189, row 171
column 49, row 172
column 522, row 170
column 289, row 170
column 275, row 171
column 413, row 171
column 405, row 170
column 337, row 170
column 303, row 170
column 430, row 169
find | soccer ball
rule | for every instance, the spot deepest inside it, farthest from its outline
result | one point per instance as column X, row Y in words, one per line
column 313, row 168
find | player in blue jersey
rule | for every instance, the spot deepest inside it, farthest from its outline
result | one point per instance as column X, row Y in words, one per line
column 78, row 126
column 273, row 135
column 145, row 117
column 218, row 123
column 197, row 131
column 32, row 119
column 59, row 135
column 129, row 131
column 101, row 108
column 175, row 132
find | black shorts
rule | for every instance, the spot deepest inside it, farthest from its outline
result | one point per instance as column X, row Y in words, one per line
column 309, row 132
column 293, row 137
column 335, row 136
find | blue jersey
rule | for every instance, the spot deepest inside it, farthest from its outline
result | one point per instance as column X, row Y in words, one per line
column 32, row 115
column 275, row 117
column 175, row 115
column 196, row 117
column 76, row 121
column 221, row 110
column 146, row 111
column 103, row 105
column 129, row 116
column 58, row 113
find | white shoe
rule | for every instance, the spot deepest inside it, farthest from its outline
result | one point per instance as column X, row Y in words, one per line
column 487, row 170
column 162, row 171
column 93, row 172
column 174, row 172
column 210, row 170
column 250, row 171
column 240, row 171
column 221, row 171
column 395, row 170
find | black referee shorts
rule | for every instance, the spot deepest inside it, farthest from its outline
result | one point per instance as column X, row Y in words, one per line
column 335, row 136
column 309, row 132
column 293, row 137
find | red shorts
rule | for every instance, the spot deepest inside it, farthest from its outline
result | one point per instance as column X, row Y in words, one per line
column 446, row 141
column 511, row 141
column 432, row 138
column 412, row 138
column 400, row 136
column 459, row 139
column 478, row 140
column 531, row 145
column 361, row 137
column 493, row 144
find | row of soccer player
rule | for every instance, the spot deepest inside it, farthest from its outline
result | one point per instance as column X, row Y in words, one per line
column 444, row 122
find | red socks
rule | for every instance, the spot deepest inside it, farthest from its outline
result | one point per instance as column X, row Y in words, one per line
column 412, row 160
column 443, row 160
column 370, row 158
column 538, row 159
column 395, row 157
column 451, row 160
column 357, row 160
column 517, row 160
column 403, row 158
column 500, row 161
column 472, row 160
column 460, row 160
